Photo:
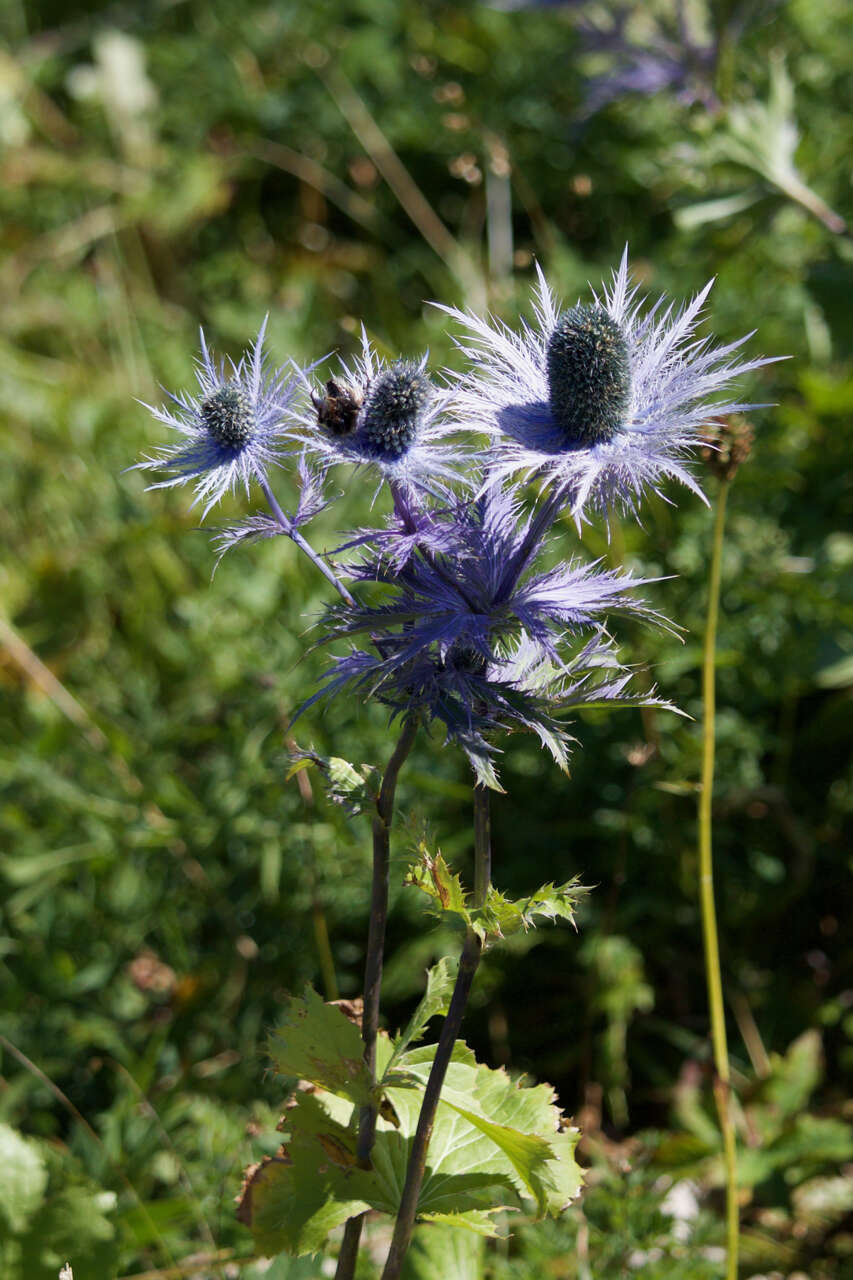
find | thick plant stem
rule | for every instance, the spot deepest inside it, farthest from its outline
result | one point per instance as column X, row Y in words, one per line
column 373, row 971
column 468, row 962
column 722, row 1086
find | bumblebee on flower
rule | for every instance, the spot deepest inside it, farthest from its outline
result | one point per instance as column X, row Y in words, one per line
column 388, row 417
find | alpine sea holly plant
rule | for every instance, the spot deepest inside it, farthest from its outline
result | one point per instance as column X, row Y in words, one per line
column 447, row 614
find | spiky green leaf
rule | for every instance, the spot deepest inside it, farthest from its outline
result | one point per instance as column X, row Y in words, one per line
column 499, row 916
column 351, row 786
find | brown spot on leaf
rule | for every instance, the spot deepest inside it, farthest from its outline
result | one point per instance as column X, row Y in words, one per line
column 353, row 1010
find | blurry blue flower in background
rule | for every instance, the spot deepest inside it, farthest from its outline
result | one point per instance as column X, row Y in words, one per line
column 604, row 401
column 675, row 49
column 233, row 429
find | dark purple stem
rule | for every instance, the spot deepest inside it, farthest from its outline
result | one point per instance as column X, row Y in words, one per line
column 468, row 962
column 373, row 973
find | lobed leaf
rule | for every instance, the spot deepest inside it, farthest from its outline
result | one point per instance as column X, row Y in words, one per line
column 440, row 981
column 496, row 1144
column 499, row 916
column 515, row 1129
column 353, row 787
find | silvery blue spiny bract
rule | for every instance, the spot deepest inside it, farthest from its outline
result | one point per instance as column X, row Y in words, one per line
column 387, row 417
column 233, row 429
column 604, row 401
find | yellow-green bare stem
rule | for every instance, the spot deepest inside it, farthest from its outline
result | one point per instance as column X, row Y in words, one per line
column 722, row 1086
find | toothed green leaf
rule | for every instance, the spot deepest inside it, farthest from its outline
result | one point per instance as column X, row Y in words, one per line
column 436, row 999
column 351, row 786
column 495, row 1145
column 434, row 877
column 499, row 916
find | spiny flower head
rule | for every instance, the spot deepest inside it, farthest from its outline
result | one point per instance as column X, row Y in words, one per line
column 229, row 417
column 603, row 401
column 386, row 417
column 232, row 430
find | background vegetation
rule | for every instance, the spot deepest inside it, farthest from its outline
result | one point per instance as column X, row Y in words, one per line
column 194, row 161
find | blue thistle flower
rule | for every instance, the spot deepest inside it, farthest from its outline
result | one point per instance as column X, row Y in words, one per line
column 605, row 401
column 394, row 409
column 386, row 417
column 521, row 691
column 475, row 638
column 233, row 429
column 681, row 62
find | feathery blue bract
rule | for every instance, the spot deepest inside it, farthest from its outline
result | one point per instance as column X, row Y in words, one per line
column 389, row 418
column 473, row 637
column 233, row 429
column 410, row 528
column 638, row 378
column 312, row 500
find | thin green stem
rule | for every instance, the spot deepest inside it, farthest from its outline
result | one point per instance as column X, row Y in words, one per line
column 722, row 1086
column 373, row 972
column 468, row 962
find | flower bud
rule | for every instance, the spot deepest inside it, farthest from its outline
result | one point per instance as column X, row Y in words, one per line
column 728, row 444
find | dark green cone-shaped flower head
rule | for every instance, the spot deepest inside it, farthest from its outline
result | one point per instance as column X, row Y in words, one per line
column 589, row 375
column 228, row 417
column 393, row 408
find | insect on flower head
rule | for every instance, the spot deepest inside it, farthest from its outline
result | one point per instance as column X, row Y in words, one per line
column 338, row 409
column 385, row 416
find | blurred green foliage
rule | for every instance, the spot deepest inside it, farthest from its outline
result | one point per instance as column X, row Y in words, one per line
column 163, row 883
